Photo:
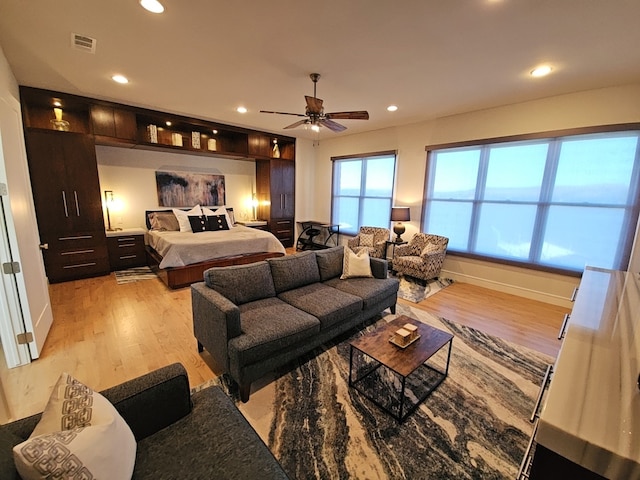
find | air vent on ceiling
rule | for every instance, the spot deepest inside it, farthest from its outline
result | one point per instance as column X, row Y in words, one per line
column 84, row 43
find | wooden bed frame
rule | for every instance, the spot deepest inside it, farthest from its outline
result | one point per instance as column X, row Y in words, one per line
column 178, row 277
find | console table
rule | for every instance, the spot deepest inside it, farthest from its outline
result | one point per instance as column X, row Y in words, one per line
column 312, row 231
column 589, row 425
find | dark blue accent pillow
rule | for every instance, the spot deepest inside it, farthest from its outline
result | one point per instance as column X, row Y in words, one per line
column 198, row 223
column 217, row 222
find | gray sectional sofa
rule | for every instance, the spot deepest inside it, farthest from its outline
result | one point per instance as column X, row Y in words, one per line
column 254, row 318
column 179, row 435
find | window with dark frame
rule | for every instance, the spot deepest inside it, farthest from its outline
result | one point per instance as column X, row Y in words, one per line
column 561, row 202
column 362, row 191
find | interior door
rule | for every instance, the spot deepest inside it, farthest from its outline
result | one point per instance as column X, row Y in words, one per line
column 22, row 232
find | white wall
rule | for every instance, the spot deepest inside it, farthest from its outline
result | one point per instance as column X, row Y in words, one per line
column 595, row 107
column 130, row 174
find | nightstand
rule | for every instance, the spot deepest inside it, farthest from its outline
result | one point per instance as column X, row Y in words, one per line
column 259, row 224
column 393, row 251
column 126, row 248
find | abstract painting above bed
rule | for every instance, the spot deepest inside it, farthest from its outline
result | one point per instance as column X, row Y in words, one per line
column 184, row 189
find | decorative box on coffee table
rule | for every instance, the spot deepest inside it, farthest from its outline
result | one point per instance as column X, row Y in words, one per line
column 399, row 377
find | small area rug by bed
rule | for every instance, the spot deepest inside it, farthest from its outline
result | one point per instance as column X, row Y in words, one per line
column 134, row 274
column 473, row 426
column 416, row 290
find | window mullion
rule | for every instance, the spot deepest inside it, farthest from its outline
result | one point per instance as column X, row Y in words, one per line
column 546, row 193
column 481, row 182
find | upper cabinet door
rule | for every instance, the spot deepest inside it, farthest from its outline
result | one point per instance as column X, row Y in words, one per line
column 48, row 182
column 64, row 180
column 81, row 169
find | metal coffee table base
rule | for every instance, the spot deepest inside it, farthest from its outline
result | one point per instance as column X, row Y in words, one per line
column 390, row 390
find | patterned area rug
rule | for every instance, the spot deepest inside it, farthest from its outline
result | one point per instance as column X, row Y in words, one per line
column 473, row 426
column 134, row 274
column 415, row 290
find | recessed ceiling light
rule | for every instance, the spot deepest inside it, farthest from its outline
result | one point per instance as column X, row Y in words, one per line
column 154, row 6
column 120, row 79
column 541, row 71
column 392, row 108
column 241, row 110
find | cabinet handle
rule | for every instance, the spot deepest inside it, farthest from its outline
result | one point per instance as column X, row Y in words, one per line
column 78, row 252
column 526, row 460
column 75, row 194
column 126, row 239
column 80, row 265
column 79, row 237
column 573, row 295
column 282, row 202
column 541, row 393
column 64, row 201
column 563, row 327
column 126, row 257
column 125, row 245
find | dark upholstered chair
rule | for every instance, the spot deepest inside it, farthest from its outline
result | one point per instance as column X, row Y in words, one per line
column 375, row 244
column 422, row 257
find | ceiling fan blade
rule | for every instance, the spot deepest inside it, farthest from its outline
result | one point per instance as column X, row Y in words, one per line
column 297, row 124
column 283, row 113
column 314, row 105
column 357, row 115
column 331, row 125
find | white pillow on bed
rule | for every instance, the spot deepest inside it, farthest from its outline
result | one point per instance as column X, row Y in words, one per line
column 183, row 217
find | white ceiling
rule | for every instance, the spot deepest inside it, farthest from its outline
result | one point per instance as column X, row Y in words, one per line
column 432, row 58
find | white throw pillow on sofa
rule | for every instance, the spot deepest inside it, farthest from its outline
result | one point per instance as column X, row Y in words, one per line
column 80, row 435
column 355, row 264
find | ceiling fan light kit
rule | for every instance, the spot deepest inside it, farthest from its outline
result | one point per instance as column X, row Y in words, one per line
column 315, row 116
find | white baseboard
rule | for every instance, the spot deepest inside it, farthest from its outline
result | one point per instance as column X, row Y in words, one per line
column 510, row 289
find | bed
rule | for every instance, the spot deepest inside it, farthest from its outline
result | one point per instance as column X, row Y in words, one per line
column 179, row 258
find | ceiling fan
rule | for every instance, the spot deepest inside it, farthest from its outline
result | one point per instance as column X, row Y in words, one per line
column 315, row 115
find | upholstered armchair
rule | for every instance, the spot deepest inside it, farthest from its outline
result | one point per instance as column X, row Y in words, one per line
column 371, row 239
column 422, row 257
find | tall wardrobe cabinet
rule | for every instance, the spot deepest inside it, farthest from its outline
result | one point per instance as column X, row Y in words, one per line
column 66, row 192
column 276, row 196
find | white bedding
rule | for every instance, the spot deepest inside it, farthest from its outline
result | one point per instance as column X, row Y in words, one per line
column 185, row 248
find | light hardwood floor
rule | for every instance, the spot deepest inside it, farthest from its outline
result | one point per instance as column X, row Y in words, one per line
column 104, row 333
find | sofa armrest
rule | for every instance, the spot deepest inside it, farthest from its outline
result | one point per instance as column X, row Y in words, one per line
column 379, row 267
column 153, row 401
column 216, row 320
column 353, row 242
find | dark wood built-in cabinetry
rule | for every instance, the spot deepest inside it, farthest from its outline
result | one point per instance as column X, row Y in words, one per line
column 64, row 175
column 66, row 193
column 275, row 180
column 126, row 249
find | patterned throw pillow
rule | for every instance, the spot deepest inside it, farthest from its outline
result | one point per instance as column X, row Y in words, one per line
column 80, row 435
column 183, row 217
column 366, row 240
column 355, row 264
column 198, row 223
column 217, row 222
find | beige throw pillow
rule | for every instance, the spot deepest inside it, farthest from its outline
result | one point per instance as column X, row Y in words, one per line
column 164, row 222
column 80, row 435
column 366, row 240
column 355, row 264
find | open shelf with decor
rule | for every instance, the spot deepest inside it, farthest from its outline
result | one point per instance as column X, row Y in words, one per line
column 48, row 111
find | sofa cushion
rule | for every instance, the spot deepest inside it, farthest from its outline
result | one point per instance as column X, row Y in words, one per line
column 78, row 436
column 268, row 326
column 293, row 271
column 327, row 304
column 241, row 283
column 214, row 441
column 370, row 290
column 330, row 262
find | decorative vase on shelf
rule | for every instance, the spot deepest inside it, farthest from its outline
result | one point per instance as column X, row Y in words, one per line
column 152, row 130
column 276, row 150
column 58, row 123
column 195, row 140
column 212, row 144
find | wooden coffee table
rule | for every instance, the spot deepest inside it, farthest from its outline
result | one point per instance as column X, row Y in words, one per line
column 394, row 378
